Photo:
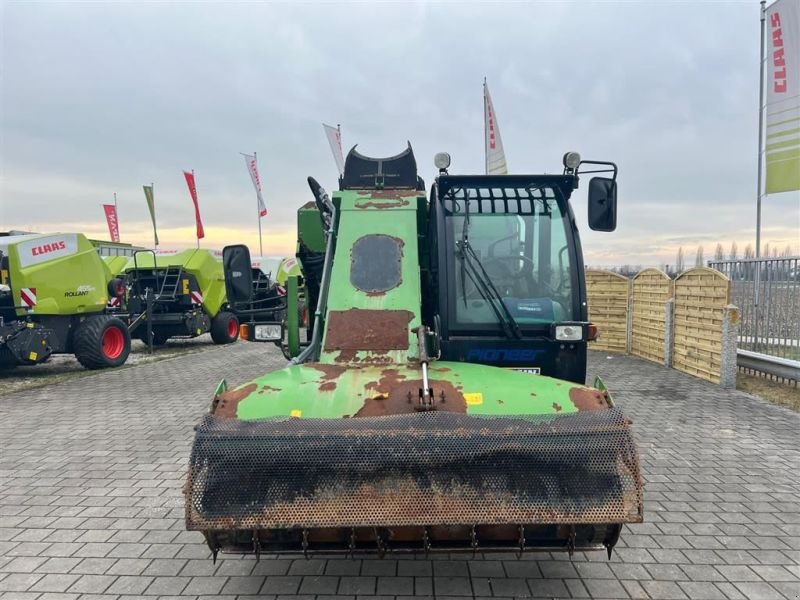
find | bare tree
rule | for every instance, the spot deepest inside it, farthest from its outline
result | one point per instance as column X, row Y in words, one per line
column 748, row 251
column 719, row 253
column 787, row 252
column 765, row 251
column 775, row 252
column 734, row 253
column 698, row 261
column 679, row 261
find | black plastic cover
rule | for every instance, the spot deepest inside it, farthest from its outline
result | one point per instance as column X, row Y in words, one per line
column 363, row 172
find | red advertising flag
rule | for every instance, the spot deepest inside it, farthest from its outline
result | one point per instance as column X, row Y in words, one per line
column 193, row 191
column 111, row 219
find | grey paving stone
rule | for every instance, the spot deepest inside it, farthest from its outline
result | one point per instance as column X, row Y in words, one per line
column 319, row 584
column 605, row 588
column 702, row 590
column 515, row 587
column 452, row 586
column 668, row 590
column 395, row 586
column 91, row 584
column 281, row 584
column 243, row 585
column 93, row 491
column 360, row 586
column 758, row 591
column 20, row 582
column 129, row 585
column 205, row 585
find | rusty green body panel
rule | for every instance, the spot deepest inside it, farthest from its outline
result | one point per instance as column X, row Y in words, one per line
column 392, row 214
column 324, row 391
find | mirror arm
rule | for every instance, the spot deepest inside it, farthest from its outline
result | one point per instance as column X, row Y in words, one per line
column 598, row 162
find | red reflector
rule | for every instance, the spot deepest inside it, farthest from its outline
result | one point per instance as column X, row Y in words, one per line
column 591, row 332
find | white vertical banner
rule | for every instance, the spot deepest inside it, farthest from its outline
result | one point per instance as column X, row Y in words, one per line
column 334, row 135
column 495, row 156
column 782, row 55
column 252, row 168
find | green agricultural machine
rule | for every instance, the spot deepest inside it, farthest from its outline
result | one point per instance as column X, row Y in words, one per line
column 54, row 291
column 177, row 295
column 439, row 404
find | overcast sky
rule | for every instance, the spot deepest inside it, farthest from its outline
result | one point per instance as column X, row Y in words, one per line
column 100, row 98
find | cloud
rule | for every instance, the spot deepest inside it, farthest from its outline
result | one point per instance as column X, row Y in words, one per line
column 102, row 98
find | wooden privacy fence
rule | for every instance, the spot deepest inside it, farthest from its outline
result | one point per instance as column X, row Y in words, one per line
column 701, row 298
column 687, row 324
column 607, row 294
column 651, row 290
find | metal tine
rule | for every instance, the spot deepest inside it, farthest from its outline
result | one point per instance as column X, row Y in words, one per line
column 256, row 545
column 571, row 541
column 473, row 536
column 305, row 543
column 351, row 547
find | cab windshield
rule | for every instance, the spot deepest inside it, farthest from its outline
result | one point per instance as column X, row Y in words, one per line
column 518, row 239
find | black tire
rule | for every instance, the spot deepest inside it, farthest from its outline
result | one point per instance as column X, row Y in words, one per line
column 159, row 338
column 222, row 328
column 101, row 342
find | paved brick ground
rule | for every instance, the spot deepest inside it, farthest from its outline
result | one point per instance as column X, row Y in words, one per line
column 91, row 506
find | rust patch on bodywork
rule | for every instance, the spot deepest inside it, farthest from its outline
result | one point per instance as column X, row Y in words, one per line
column 587, row 399
column 395, row 203
column 226, row 403
column 556, row 407
column 394, row 395
column 329, row 372
column 363, row 329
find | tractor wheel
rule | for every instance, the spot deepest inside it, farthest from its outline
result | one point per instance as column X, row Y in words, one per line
column 224, row 328
column 101, row 342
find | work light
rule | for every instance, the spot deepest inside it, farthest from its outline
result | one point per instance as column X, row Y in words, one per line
column 441, row 160
column 572, row 160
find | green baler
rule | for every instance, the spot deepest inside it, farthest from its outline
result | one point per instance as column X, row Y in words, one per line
column 440, row 403
column 54, row 291
column 180, row 295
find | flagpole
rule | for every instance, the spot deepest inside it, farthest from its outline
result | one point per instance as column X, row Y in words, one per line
column 485, row 139
column 155, row 234
column 258, row 215
column 195, row 194
column 116, row 212
column 760, row 162
column 760, row 134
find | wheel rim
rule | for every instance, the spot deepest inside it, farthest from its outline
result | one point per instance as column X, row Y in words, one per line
column 233, row 327
column 113, row 343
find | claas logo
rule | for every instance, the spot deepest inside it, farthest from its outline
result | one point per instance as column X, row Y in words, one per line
column 47, row 248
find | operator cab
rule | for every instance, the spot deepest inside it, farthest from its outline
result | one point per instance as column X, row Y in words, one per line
column 507, row 265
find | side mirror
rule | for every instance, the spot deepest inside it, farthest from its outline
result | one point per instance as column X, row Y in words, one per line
column 238, row 274
column 602, row 204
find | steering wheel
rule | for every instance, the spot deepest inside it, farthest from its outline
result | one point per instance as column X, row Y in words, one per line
column 509, row 277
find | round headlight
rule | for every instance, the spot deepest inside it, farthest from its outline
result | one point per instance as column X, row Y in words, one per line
column 441, row 160
column 572, row 160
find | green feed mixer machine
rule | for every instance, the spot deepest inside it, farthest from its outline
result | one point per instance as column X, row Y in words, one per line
column 178, row 294
column 439, row 404
column 54, row 296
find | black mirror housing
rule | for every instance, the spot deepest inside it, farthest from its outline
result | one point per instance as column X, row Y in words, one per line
column 602, row 204
column 238, row 274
